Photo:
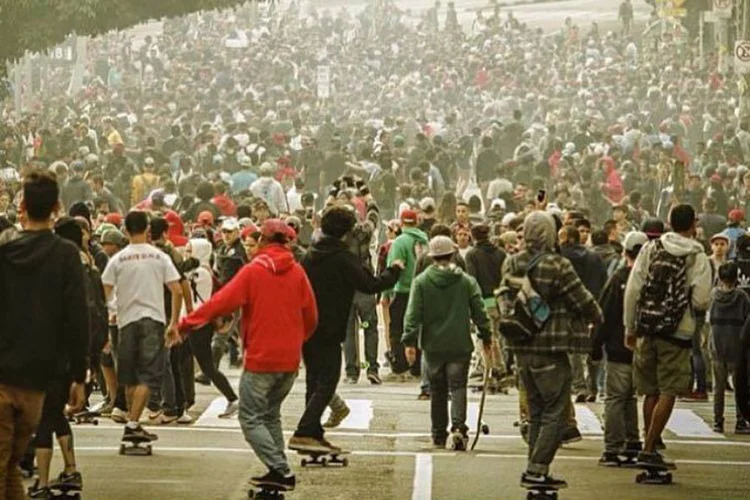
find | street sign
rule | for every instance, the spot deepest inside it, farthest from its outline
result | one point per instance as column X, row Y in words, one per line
column 723, row 8
column 742, row 56
column 324, row 82
column 671, row 8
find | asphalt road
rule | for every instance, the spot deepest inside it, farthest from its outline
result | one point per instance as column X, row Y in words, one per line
column 388, row 435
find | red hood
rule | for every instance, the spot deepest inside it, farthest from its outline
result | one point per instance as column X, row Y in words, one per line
column 225, row 205
column 276, row 258
column 176, row 229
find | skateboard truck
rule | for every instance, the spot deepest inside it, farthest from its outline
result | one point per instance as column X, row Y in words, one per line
column 85, row 417
column 266, row 493
column 541, row 493
column 324, row 459
column 139, row 447
column 654, row 475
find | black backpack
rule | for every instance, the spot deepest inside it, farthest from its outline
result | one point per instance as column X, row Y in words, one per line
column 523, row 311
column 664, row 297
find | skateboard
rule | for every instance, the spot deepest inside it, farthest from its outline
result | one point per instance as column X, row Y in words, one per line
column 266, row 492
column 541, row 493
column 481, row 426
column 323, row 459
column 654, row 475
column 136, row 446
column 85, row 417
column 72, row 492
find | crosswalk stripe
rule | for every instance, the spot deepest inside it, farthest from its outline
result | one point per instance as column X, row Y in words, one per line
column 685, row 423
column 588, row 422
column 422, row 489
column 210, row 417
column 360, row 416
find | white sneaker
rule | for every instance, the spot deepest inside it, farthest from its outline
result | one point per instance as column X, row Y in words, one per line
column 185, row 419
column 119, row 416
column 155, row 416
column 232, row 408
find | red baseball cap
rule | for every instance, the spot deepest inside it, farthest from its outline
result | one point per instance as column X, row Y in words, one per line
column 249, row 230
column 409, row 217
column 736, row 215
column 114, row 218
column 272, row 227
column 206, row 218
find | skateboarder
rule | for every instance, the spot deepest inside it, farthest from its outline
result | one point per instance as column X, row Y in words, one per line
column 443, row 302
column 278, row 314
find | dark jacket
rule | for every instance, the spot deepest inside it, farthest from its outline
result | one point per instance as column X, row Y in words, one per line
column 588, row 266
column 75, row 190
column 727, row 316
column 609, row 336
column 44, row 321
column 229, row 261
column 485, row 263
column 335, row 274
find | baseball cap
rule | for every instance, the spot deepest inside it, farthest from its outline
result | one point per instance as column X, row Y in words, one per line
column 653, row 228
column 114, row 237
column 248, row 231
column 720, row 236
column 272, row 227
column 114, row 218
column 206, row 218
column 427, row 204
column 230, row 224
column 498, row 203
column 736, row 215
column 634, row 239
column 441, row 246
column 409, row 217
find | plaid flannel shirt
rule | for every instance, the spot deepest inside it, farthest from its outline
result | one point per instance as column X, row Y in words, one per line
column 572, row 307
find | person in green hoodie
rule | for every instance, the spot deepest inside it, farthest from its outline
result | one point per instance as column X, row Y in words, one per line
column 406, row 248
column 455, row 300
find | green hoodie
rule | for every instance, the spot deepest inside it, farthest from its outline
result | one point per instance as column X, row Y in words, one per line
column 405, row 248
column 443, row 302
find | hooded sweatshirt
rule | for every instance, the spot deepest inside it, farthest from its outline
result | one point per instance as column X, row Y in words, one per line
column 335, row 274
column 572, row 307
column 278, row 310
column 698, row 281
column 44, row 322
column 589, row 267
column 407, row 247
column 200, row 278
column 609, row 336
column 443, row 302
column 485, row 262
column 271, row 191
column 727, row 316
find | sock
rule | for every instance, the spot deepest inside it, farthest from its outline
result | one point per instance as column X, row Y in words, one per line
column 132, row 425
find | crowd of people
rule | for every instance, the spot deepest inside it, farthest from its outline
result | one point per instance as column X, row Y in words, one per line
column 211, row 189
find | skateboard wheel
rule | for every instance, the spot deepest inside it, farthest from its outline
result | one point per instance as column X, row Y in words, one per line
column 251, row 494
column 485, row 429
column 122, row 449
column 345, row 462
column 149, row 450
column 303, row 463
column 324, row 462
column 95, row 422
column 668, row 478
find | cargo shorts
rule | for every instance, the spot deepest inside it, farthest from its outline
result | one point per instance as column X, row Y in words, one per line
column 141, row 354
column 661, row 367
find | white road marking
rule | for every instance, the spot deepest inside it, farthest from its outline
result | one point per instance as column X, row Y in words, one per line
column 685, row 423
column 422, row 477
column 472, row 412
column 588, row 422
column 210, row 417
column 360, row 416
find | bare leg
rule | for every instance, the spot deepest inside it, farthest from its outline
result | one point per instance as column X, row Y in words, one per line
column 43, row 461
column 137, row 399
column 68, row 453
column 649, row 402
column 110, row 380
column 659, row 418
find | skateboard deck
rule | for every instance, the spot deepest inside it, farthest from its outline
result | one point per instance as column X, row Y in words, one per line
column 323, row 459
column 69, row 491
column 654, row 474
column 541, row 493
column 85, row 417
column 136, row 446
column 266, row 492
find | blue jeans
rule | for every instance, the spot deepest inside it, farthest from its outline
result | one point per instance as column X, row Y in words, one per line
column 447, row 375
column 261, row 395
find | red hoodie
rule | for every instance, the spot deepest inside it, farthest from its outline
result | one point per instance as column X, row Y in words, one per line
column 176, row 230
column 225, row 205
column 612, row 182
column 279, row 312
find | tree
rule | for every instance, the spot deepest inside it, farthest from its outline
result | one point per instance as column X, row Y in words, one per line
column 36, row 25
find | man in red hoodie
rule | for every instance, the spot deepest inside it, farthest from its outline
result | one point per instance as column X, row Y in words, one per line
column 223, row 201
column 279, row 314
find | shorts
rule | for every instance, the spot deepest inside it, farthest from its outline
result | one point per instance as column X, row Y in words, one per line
column 661, row 367
column 141, row 354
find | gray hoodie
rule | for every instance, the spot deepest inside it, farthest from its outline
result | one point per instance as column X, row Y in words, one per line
column 698, row 279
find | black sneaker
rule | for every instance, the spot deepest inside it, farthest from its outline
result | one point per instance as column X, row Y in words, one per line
column 275, row 480
column 719, row 427
column 374, row 378
column 742, row 427
column 459, row 441
column 74, row 480
column 655, row 460
column 581, row 398
column 35, row 491
column 138, row 434
column 591, row 398
column 529, row 480
column 571, row 435
column 632, row 450
column 609, row 460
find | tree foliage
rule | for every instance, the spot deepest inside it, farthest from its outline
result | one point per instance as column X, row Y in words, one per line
column 37, row 25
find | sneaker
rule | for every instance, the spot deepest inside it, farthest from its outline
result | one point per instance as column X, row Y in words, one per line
column 138, row 433
column 632, row 449
column 394, row 377
column 581, row 398
column 118, row 416
column 423, row 396
column 458, row 441
column 275, row 479
column 571, row 435
column 185, row 419
column 333, row 448
column 106, row 410
column 303, row 443
column 73, row 480
column 609, row 460
column 529, row 480
column 351, row 380
column 36, row 491
column 155, row 415
column 203, row 380
column 591, row 398
column 718, row 427
column 374, row 378
column 167, row 419
column 439, row 444
column 336, row 417
column 654, row 460
column 742, row 427
column 231, row 409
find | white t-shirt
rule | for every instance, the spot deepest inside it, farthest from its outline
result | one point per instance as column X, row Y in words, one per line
column 138, row 274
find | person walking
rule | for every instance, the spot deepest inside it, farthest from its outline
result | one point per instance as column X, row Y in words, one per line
column 444, row 301
column 279, row 313
column 670, row 279
column 543, row 362
column 335, row 274
column 39, row 337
